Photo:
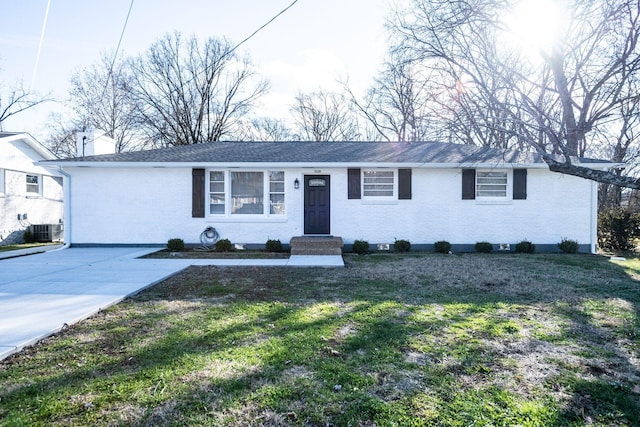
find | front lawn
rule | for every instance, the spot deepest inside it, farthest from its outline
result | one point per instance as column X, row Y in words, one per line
column 414, row 339
column 16, row 247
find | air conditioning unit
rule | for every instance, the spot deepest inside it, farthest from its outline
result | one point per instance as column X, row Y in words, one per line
column 46, row 232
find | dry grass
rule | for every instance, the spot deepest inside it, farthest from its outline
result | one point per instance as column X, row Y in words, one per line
column 389, row 340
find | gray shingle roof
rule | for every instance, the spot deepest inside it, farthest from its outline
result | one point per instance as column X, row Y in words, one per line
column 318, row 153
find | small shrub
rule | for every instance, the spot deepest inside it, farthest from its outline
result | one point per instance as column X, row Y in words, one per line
column 223, row 245
column 28, row 236
column 175, row 245
column 525, row 247
column 442, row 247
column 483, row 247
column 568, row 246
column 273, row 245
column 402, row 245
column 360, row 247
column 617, row 229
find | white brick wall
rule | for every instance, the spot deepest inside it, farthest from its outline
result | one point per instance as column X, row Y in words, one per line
column 149, row 206
column 16, row 161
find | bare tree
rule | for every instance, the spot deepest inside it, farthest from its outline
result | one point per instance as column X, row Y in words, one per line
column 397, row 104
column 15, row 100
column 324, row 116
column 189, row 93
column 265, row 129
column 101, row 98
column 62, row 135
column 555, row 104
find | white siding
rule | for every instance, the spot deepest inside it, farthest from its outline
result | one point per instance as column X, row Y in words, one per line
column 152, row 205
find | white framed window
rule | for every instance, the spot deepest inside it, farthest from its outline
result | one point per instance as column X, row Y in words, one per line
column 238, row 193
column 217, row 198
column 491, row 184
column 276, row 192
column 34, row 184
column 378, row 184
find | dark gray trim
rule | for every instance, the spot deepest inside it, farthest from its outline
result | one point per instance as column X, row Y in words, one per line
column 519, row 184
column 404, row 184
column 198, row 193
column 353, row 184
column 468, row 184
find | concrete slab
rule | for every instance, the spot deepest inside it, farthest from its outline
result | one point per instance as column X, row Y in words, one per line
column 40, row 294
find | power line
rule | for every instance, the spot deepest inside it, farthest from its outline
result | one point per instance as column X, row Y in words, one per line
column 262, row 27
column 115, row 55
column 234, row 48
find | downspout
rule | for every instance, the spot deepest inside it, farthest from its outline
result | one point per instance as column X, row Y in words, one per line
column 66, row 197
column 594, row 216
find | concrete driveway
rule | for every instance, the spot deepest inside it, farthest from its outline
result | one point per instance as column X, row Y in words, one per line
column 40, row 294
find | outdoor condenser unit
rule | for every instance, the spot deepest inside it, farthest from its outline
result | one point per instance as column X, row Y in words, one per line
column 46, row 232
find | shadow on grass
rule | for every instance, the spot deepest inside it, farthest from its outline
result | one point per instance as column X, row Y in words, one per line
column 506, row 339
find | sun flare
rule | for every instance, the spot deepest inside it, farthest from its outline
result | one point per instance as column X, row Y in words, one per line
column 535, row 24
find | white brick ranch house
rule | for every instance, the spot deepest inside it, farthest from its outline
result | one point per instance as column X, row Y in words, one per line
column 374, row 191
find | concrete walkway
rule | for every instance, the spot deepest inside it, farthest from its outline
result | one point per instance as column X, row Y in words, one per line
column 41, row 293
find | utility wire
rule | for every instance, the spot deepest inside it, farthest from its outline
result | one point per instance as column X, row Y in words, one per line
column 229, row 52
column 234, row 48
column 115, row 55
column 262, row 27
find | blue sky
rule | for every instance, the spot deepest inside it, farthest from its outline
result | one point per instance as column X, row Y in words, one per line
column 312, row 44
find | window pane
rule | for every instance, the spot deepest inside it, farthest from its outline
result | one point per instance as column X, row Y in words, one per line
column 491, row 184
column 276, row 187
column 217, row 187
column 378, row 183
column 247, row 190
column 32, row 184
column 277, row 204
column 216, row 176
column 216, row 204
column 276, row 176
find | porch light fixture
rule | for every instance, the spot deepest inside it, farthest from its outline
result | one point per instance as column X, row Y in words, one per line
column 296, row 184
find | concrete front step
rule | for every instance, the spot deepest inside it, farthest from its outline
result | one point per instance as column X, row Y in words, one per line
column 306, row 245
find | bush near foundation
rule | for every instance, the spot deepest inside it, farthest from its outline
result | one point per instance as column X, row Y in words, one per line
column 175, row 245
column 223, row 245
column 618, row 229
column 273, row 245
column 483, row 247
column 402, row 245
column 442, row 247
column 525, row 247
column 360, row 247
column 568, row 246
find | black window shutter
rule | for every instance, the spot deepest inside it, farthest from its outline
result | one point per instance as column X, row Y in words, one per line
column 519, row 184
column 197, row 197
column 353, row 183
column 404, row 184
column 468, row 184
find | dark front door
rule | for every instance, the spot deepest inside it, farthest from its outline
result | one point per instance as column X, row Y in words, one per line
column 316, row 204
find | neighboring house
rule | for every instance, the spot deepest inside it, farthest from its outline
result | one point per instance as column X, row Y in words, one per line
column 253, row 191
column 29, row 193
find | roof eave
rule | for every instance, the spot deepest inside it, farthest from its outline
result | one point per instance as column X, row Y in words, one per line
column 301, row 165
